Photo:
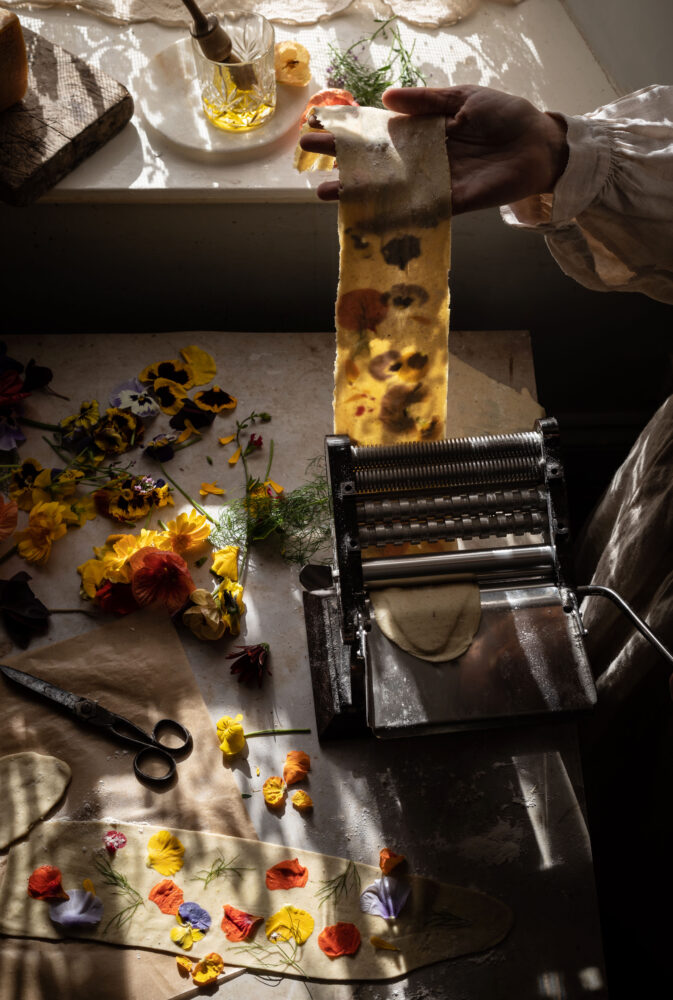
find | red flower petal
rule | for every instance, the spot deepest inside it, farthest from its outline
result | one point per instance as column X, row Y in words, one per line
column 167, row 895
column 238, row 925
column 339, row 939
column 287, row 875
column 45, row 883
column 160, row 578
column 114, row 840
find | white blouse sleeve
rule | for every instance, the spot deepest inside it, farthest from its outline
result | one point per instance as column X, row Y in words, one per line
column 609, row 221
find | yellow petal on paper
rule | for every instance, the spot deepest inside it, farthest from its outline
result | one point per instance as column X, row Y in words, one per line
column 227, row 440
column 185, row 936
column 302, row 801
column 235, row 457
column 225, row 562
column 202, row 364
column 392, row 313
column 208, row 969
column 165, row 853
column 381, row 943
column 88, row 886
column 213, row 489
column 290, row 922
column 184, row 965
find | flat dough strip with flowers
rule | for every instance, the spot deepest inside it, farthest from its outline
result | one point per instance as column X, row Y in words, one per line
column 438, row 921
column 392, row 314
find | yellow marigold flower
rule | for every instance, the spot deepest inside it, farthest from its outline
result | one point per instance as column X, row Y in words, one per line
column 274, row 790
column 211, row 488
column 208, row 969
column 188, row 532
column 231, row 736
column 45, row 526
column 93, row 573
column 290, row 922
column 225, row 562
column 302, row 801
column 124, row 546
column 164, row 853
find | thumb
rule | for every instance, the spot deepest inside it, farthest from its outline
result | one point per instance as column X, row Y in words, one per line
column 425, row 100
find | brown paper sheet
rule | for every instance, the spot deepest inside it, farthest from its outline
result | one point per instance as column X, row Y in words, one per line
column 137, row 667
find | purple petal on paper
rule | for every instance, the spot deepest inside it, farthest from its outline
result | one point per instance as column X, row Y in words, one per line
column 195, row 915
column 385, row 897
column 83, row 909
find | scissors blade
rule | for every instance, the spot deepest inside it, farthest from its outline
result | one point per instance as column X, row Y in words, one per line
column 43, row 688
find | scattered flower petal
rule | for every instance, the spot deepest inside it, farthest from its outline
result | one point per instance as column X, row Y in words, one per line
column 167, row 895
column 290, row 922
column 385, row 897
column 288, row 874
column 274, row 791
column 165, row 853
column 302, row 801
column 201, row 363
column 238, row 925
column 339, row 939
column 235, row 457
column 184, row 965
column 195, row 916
column 215, row 399
column 230, row 734
column 174, row 371
column 389, row 859
column 114, row 840
column 208, row 969
column 381, row 943
column 225, row 562
column 82, row 909
column 88, row 886
column 227, row 440
column 170, row 396
column 45, row 883
column 213, row 489
column 296, row 767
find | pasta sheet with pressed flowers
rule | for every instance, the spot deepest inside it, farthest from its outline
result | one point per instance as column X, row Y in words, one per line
column 212, row 899
column 392, row 309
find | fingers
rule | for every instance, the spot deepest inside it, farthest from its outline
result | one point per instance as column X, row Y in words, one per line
column 318, row 142
column 328, row 191
column 426, row 100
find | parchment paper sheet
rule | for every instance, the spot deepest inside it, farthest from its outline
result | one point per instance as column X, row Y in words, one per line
column 135, row 666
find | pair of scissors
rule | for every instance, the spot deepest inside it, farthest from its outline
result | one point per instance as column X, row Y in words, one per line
column 152, row 747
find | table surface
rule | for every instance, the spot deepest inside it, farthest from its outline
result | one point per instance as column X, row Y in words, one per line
column 532, row 49
column 500, row 811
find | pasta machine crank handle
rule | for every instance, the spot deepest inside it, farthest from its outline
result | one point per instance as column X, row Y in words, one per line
column 594, row 590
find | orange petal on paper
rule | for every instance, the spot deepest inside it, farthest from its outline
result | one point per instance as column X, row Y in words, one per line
column 184, row 966
column 235, row 457
column 274, row 790
column 227, row 440
column 302, row 801
column 45, row 883
column 288, row 874
column 388, row 860
column 297, row 765
column 238, row 925
column 208, row 969
column 167, row 895
column 339, row 939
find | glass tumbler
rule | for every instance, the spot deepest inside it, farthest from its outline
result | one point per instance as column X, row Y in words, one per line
column 239, row 95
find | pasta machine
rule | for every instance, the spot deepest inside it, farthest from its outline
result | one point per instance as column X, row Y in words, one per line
column 489, row 509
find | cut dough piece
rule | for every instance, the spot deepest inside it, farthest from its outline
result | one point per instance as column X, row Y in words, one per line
column 435, row 623
column 31, row 784
column 392, row 316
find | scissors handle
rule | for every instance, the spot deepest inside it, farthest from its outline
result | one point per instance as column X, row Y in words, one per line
column 162, row 752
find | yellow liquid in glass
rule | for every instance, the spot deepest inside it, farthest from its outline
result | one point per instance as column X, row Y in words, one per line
column 241, row 116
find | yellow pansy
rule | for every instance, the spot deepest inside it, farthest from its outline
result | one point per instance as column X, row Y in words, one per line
column 93, row 573
column 225, row 562
column 201, row 363
column 165, row 853
column 230, row 595
column 290, row 922
column 231, row 736
column 211, row 488
column 185, row 935
column 45, row 525
column 84, row 509
column 188, row 532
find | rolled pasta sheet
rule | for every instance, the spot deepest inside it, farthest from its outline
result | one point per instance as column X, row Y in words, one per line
column 392, row 309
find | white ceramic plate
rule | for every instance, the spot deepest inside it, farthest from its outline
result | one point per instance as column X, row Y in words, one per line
column 169, row 97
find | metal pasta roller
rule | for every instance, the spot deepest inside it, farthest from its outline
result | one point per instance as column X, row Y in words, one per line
column 491, row 510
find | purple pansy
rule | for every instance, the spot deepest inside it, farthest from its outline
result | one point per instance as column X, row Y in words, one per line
column 83, row 909
column 195, row 916
column 133, row 396
column 385, row 897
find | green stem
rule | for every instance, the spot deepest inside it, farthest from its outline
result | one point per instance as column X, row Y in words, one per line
column 179, row 488
column 271, row 732
column 268, row 464
column 38, row 423
column 8, row 555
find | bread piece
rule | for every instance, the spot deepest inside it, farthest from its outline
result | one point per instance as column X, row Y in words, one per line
column 13, row 60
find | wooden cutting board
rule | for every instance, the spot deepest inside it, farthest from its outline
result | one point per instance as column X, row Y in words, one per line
column 70, row 110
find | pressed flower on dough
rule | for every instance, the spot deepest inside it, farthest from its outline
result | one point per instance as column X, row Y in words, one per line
column 165, row 853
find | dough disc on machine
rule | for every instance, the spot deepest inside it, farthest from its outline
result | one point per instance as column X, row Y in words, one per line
column 435, row 623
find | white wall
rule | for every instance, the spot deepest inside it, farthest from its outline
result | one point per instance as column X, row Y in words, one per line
column 631, row 39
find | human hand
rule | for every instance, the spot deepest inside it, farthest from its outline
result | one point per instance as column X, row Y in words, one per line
column 500, row 147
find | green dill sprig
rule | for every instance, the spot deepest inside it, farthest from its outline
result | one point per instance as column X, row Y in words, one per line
column 282, row 955
column 340, row 885
column 220, row 868
column 122, row 887
column 446, row 919
column 352, row 69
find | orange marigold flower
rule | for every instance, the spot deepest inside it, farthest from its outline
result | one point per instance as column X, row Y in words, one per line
column 297, row 765
column 388, row 860
column 208, row 969
column 45, row 526
column 238, row 925
column 288, row 874
column 339, row 939
column 45, row 883
column 274, row 790
column 160, row 578
column 167, row 895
